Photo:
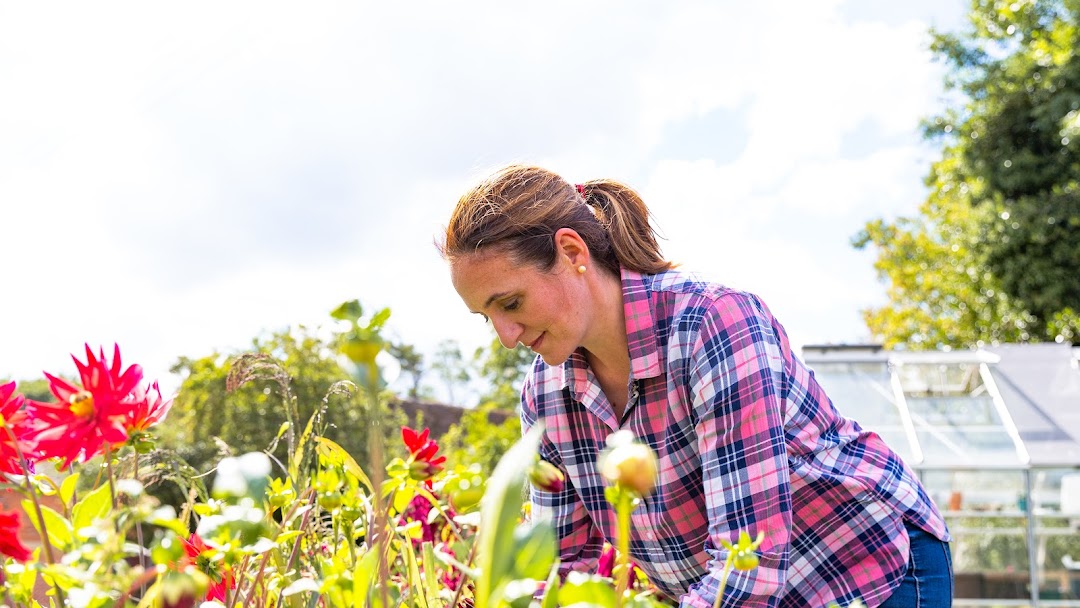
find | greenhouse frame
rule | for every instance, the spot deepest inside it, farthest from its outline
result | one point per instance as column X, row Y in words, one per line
column 993, row 435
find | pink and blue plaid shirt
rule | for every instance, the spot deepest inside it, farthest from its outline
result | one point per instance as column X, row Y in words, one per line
column 746, row 440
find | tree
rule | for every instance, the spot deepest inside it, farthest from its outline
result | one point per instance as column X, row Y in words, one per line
column 992, row 254
column 412, row 363
column 451, row 367
column 487, row 432
column 206, row 418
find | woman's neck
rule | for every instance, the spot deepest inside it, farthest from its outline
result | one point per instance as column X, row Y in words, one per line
column 606, row 345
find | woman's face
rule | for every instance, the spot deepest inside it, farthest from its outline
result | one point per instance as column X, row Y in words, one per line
column 542, row 310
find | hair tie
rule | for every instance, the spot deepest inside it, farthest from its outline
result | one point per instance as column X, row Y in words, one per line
column 581, row 190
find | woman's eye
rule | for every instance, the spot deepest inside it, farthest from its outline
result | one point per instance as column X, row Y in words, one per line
column 512, row 306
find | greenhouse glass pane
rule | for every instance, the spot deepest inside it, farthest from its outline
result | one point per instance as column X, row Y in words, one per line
column 861, row 391
column 956, row 420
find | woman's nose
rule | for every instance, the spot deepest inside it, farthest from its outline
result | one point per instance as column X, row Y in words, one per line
column 508, row 332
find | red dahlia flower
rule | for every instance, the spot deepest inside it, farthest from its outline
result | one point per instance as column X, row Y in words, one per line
column 147, row 408
column 422, row 462
column 221, row 577
column 88, row 418
column 9, row 537
column 17, row 420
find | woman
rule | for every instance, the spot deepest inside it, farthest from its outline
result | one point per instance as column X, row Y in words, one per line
column 746, row 438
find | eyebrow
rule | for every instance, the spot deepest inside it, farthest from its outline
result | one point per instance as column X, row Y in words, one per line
column 501, row 294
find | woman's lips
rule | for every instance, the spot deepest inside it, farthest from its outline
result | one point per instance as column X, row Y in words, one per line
column 536, row 343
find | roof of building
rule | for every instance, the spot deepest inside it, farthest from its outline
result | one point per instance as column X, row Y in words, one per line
column 1013, row 405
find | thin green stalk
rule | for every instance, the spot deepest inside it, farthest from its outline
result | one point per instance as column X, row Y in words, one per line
column 723, row 579
column 138, row 527
column 622, row 510
column 461, row 583
column 112, row 481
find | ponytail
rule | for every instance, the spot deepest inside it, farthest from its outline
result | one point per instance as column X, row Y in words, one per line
column 520, row 208
column 627, row 222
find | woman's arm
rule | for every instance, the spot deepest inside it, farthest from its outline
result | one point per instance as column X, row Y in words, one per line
column 735, row 378
column 580, row 541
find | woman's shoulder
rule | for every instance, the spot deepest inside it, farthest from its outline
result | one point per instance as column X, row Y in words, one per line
column 693, row 292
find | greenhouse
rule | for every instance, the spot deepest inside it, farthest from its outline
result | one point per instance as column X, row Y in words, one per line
column 993, row 434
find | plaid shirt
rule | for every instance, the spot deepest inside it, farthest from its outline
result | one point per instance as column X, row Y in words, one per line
column 746, row 440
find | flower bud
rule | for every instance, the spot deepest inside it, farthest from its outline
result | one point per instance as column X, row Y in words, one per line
column 631, row 465
column 745, row 560
column 547, row 477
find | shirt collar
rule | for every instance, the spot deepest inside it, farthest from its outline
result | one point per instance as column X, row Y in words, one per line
column 640, row 325
column 640, row 335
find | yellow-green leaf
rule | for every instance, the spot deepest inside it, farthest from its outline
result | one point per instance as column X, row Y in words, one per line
column 57, row 529
column 336, row 455
column 92, row 507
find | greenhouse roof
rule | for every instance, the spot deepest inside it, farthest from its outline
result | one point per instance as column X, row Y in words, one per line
column 1014, row 405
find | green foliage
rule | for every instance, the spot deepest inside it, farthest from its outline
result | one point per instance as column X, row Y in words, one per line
column 992, row 254
column 480, row 437
column 412, row 365
column 206, row 418
column 36, row 389
column 476, row 439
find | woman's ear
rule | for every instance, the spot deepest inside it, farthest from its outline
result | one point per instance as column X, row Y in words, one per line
column 571, row 248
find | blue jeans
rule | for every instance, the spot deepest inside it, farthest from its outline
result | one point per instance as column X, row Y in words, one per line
column 929, row 579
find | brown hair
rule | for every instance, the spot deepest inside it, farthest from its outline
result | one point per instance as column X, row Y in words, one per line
column 520, row 208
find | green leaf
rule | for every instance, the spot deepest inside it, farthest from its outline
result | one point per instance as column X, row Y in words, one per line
column 348, row 311
column 582, row 590
column 416, row 583
column 431, row 580
column 535, row 548
column 366, row 568
column 500, row 511
column 379, row 319
column 550, row 599
column 301, row 585
column 92, row 507
column 336, row 455
column 57, row 529
column 67, row 488
column 297, row 457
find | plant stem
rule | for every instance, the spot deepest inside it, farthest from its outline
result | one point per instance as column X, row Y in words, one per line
column 45, row 544
column 108, row 467
column 461, row 583
column 622, row 510
column 138, row 526
column 723, row 579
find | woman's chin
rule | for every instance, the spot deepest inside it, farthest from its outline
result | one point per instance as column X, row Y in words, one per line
column 554, row 359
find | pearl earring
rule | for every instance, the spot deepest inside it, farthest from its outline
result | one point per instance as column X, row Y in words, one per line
column 581, row 269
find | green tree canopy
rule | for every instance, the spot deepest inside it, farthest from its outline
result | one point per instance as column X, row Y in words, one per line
column 205, row 417
column 993, row 252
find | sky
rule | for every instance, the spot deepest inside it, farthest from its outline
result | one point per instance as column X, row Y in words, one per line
column 181, row 178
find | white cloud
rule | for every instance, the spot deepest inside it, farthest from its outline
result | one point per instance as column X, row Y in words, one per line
column 177, row 178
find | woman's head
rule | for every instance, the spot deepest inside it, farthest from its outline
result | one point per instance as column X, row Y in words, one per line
column 518, row 210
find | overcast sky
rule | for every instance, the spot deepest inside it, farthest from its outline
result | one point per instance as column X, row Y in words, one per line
column 178, row 178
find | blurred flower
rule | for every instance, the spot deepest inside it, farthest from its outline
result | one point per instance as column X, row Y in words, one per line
column 9, row 537
column 546, row 476
column 607, row 564
column 15, row 418
column 451, row 576
column 422, row 461
column 200, row 555
column 744, row 552
column 147, row 408
column 87, row 418
column 628, row 463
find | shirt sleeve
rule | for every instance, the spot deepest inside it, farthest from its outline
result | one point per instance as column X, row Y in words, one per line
column 736, row 384
column 580, row 541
